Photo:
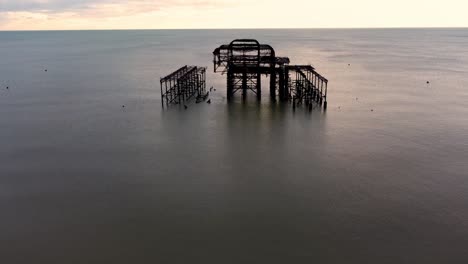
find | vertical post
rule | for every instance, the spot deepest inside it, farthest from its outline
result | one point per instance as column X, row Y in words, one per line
column 244, row 83
column 181, row 93
column 273, row 85
column 204, row 81
column 321, row 90
column 312, row 77
column 171, row 91
column 301, row 85
column 286, row 83
column 259, row 75
column 167, row 98
column 282, row 91
column 259, row 86
column 317, row 85
column 230, row 84
column 194, row 84
column 201, row 83
column 326, row 91
column 296, row 86
column 306, row 87
column 191, row 86
column 162, row 96
column 214, row 63
column 272, row 74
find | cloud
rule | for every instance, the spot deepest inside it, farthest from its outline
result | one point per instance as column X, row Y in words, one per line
column 94, row 14
column 42, row 5
column 104, row 6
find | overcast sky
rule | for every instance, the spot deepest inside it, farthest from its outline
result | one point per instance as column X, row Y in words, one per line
column 145, row 14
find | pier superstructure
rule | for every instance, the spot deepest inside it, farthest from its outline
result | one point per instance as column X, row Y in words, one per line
column 244, row 61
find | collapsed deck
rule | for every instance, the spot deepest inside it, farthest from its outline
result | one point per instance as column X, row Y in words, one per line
column 183, row 84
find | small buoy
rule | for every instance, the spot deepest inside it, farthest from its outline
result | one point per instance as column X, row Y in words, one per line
column 372, row 110
column 123, row 106
column 349, row 64
column 7, row 87
column 428, row 82
column 46, row 70
column 209, row 101
column 185, row 106
column 215, row 90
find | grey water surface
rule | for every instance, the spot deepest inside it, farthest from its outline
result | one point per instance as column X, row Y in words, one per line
column 381, row 177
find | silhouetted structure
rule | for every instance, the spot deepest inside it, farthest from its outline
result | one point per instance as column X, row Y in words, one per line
column 245, row 60
column 306, row 85
column 183, row 84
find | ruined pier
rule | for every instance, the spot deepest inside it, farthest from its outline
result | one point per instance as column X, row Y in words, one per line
column 245, row 60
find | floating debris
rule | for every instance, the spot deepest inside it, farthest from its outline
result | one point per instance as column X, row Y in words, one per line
column 202, row 97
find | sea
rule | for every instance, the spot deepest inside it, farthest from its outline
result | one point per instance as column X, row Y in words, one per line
column 94, row 170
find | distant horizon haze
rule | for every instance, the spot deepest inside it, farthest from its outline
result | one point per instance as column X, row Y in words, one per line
column 290, row 28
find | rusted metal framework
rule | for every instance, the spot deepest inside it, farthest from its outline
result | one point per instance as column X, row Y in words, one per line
column 307, row 85
column 245, row 60
column 183, row 84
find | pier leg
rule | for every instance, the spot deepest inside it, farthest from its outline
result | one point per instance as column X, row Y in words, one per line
column 273, row 85
column 326, row 94
column 286, row 84
column 259, row 86
column 244, row 85
column 282, row 89
column 230, row 85
column 321, row 92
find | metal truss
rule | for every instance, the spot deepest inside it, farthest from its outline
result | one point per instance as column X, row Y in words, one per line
column 183, row 84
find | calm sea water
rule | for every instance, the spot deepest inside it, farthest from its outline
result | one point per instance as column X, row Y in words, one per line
column 83, row 180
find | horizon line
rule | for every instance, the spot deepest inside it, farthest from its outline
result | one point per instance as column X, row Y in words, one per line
column 272, row 28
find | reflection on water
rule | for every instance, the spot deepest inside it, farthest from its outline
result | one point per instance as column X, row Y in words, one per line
column 84, row 181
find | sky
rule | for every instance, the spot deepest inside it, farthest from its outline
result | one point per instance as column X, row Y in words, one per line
column 187, row 14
